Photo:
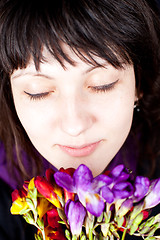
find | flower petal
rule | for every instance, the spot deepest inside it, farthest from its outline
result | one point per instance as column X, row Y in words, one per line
column 64, row 180
column 47, row 190
column 125, row 207
column 83, row 178
column 119, row 173
column 50, row 175
column 69, row 171
column 75, row 213
column 94, row 204
column 122, row 190
column 53, row 218
column 18, row 194
column 141, row 187
column 153, row 198
column 100, row 181
column 107, row 194
column 19, row 205
column 43, row 206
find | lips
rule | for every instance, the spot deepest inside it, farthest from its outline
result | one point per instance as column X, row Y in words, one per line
column 81, row 151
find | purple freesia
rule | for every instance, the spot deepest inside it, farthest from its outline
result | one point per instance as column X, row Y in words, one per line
column 141, row 188
column 86, row 187
column 120, row 187
column 119, row 173
column 153, row 197
column 75, row 213
column 122, row 190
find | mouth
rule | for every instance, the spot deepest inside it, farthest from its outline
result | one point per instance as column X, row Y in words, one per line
column 80, row 151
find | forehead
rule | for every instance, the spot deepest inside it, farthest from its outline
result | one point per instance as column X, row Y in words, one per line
column 50, row 62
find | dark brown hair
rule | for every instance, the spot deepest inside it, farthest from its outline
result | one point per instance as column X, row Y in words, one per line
column 119, row 31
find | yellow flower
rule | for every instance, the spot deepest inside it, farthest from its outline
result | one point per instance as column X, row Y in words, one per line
column 19, row 205
column 43, row 206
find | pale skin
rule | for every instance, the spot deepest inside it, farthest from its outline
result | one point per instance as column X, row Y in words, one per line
column 80, row 114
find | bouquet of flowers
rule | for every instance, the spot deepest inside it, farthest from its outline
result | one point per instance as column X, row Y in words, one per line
column 72, row 204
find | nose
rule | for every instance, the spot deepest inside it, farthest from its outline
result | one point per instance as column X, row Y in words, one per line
column 75, row 117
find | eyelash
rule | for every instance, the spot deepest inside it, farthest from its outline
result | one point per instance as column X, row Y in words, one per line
column 103, row 88
column 37, row 96
column 97, row 89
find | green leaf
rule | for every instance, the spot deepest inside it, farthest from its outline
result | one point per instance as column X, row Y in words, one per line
column 136, row 210
column 150, row 238
column 150, row 222
column 33, row 196
column 83, row 237
column 40, row 223
column 119, row 221
column 100, row 219
column 107, row 216
column 61, row 214
column 38, row 236
column 30, row 204
column 114, row 231
column 153, row 229
column 144, row 230
column 29, row 218
column 138, row 219
column 135, row 224
column 68, row 234
column 74, row 237
column 24, row 211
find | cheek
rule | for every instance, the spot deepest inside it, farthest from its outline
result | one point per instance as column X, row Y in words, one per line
column 34, row 121
column 116, row 116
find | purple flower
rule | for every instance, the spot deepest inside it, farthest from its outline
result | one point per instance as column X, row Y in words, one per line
column 122, row 190
column 86, row 187
column 141, row 188
column 120, row 187
column 75, row 213
column 119, row 173
column 153, row 197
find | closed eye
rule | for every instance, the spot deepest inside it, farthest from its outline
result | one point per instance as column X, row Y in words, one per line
column 103, row 88
column 37, row 96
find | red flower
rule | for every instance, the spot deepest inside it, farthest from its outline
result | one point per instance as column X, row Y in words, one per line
column 50, row 175
column 57, row 235
column 47, row 190
column 53, row 229
column 145, row 214
column 69, row 171
column 18, row 194
column 53, row 218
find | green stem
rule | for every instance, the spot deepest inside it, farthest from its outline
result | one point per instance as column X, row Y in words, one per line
column 90, row 234
column 42, row 231
column 124, row 234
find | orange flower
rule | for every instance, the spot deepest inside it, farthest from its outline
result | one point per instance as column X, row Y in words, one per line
column 43, row 206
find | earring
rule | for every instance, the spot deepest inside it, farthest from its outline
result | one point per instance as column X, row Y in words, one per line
column 136, row 106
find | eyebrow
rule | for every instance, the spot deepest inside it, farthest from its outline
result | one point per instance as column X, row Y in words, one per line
column 32, row 74
column 52, row 77
column 94, row 67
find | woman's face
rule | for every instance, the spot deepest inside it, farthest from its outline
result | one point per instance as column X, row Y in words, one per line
column 80, row 114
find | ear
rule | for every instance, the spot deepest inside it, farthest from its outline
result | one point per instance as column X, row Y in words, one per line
column 138, row 95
